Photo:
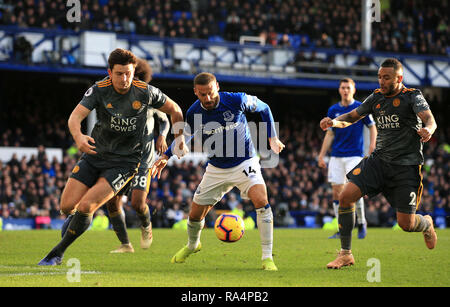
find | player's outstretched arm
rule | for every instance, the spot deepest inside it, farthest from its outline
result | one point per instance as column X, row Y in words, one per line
column 429, row 125
column 172, row 109
column 341, row 121
column 81, row 140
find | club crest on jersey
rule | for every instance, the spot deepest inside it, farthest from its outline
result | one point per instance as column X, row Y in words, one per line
column 396, row 102
column 136, row 105
column 356, row 171
column 228, row 116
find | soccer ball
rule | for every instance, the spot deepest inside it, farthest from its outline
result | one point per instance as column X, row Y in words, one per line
column 229, row 227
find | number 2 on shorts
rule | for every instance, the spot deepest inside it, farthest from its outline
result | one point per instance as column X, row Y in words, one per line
column 413, row 199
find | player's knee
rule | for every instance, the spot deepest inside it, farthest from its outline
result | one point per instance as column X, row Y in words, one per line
column 260, row 203
column 345, row 200
column 67, row 208
column 138, row 205
column 86, row 206
column 258, row 196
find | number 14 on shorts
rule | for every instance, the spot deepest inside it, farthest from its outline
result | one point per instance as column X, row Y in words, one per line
column 249, row 172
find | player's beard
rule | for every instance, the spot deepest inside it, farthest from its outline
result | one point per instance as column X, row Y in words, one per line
column 390, row 90
column 211, row 104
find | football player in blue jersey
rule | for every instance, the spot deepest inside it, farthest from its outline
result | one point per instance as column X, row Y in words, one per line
column 347, row 149
column 218, row 118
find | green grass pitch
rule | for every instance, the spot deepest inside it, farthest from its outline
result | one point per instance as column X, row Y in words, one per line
column 401, row 259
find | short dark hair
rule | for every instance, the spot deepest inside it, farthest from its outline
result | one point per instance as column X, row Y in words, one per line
column 143, row 71
column 204, row 78
column 347, row 80
column 121, row 56
column 392, row 62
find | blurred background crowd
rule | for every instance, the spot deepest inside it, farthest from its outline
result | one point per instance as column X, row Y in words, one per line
column 412, row 26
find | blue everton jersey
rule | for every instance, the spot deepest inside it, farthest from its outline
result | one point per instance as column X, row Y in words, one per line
column 223, row 132
column 349, row 141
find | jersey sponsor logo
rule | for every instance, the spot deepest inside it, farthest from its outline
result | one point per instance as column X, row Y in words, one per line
column 356, row 171
column 396, row 102
column 219, row 129
column 136, row 105
column 123, row 124
column 388, row 121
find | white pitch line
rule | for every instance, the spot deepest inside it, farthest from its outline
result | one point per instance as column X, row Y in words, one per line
column 45, row 273
column 30, row 267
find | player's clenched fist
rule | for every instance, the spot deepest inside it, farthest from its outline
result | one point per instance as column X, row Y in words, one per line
column 326, row 123
column 276, row 145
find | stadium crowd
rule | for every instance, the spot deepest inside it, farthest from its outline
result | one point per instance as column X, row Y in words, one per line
column 31, row 188
column 412, row 26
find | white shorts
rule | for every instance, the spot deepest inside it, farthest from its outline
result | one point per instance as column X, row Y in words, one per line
column 216, row 182
column 338, row 167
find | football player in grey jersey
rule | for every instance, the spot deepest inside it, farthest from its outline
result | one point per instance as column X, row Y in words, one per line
column 111, row 155
column 138, row 187
column 404, row 122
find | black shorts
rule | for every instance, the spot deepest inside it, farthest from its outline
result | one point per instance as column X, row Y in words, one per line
column 88, row 172
column 400, row 184
column 141, row 181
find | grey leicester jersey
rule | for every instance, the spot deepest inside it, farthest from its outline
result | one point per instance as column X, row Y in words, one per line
column 397, row 124
column 148, row 155
column 121, row 118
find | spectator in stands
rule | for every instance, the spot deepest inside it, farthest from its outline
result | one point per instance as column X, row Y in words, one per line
column 22, row 50
column 284, row 41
